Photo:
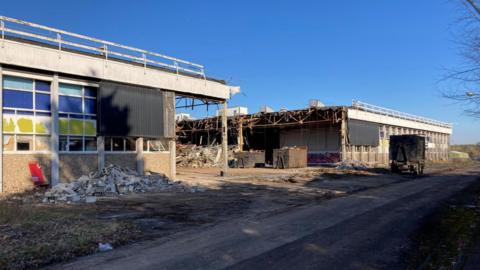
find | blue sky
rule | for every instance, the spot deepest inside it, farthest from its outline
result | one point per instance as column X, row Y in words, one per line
column 283, row 53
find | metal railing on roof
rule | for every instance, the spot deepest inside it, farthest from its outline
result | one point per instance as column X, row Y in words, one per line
column 67, row 40
column 392, row 113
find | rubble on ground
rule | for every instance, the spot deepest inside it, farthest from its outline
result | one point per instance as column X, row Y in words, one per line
column 194, row 156
column 352, row 165
column 112, row 180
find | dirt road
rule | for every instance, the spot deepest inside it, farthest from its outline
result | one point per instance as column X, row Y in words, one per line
column 365, row 230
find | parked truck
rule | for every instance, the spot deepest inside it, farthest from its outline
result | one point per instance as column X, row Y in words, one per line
column 407, row 153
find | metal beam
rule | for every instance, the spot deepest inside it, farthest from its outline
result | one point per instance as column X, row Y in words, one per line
column 224, row 140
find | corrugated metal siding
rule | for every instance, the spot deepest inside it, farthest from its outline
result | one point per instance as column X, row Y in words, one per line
column 363, row 133
column 126, row 110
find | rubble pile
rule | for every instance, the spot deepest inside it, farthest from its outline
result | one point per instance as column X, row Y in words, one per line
column 352, row 165
column 194, row 156
column 112, row 180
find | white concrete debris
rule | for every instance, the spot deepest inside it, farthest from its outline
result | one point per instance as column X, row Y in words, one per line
column 112, row 180
column 194, row 156
column 352, row 165
column 104, row 247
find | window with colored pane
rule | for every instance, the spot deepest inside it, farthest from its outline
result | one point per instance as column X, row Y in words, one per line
column 17, row 99
column 90, row 106
column 10, row 82
column 42, row 86
column 70, row 89
column 90, row 91
column 70, row 104
column 42, row 101
column 90, row 144
column 75, row 144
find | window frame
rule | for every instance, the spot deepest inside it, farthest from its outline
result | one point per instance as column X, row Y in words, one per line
column 34, row 113
column 84, row 116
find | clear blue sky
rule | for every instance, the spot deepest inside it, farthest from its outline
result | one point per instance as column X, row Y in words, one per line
column 283, row 53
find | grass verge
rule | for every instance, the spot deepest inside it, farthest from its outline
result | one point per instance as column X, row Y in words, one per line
column 34, row 235
column 449, row 234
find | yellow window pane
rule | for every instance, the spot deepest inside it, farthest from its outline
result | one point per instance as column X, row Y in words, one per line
column 90, row 127
column 63, row 126
column 76, row 127
column 8, row 123
column 42, row 125
column 25, row 125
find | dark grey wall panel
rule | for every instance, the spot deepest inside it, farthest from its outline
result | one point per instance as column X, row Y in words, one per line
column 126, row 110
column 169, row 104
column 363, row 133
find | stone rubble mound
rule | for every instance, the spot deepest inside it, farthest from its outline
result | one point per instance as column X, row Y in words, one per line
column 112, row 180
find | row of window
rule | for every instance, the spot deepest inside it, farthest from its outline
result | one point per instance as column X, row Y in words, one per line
column 16, row 142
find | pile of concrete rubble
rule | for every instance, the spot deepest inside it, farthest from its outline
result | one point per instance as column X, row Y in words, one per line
column 194, row 156
column 112, row 180
column 352, row 165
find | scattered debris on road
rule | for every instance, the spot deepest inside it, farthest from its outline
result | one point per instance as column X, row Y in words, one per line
column 112, row 180
column 352, row 165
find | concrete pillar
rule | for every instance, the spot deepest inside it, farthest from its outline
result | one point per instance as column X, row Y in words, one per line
column 343, row 137
column 240, row 135
column 101, row 152
column 54, row 137
column 224, row 140
column 139, row 158
column 173, row 159
column 1, row 129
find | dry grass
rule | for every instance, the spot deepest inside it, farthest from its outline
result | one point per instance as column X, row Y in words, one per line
column 32, row 235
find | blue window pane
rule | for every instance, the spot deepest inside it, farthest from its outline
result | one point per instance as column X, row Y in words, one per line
column 43, row 114
column 90, row 91
column 63, row 115
column 90, row 117
column 70, row 89
column 77, row 116
column 70, row 104
column 17, row 83
column 42, row 102
column 8, row 112
column 42, row 86
column 17, row 99
column 91, row 106
column 24, row 113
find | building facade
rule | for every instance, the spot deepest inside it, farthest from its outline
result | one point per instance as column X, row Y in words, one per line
column 73, row 107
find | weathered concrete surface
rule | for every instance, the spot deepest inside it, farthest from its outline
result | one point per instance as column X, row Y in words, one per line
column 45, row 58
column 366, row 230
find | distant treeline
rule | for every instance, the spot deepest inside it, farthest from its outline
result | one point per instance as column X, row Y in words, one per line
column 472, row 149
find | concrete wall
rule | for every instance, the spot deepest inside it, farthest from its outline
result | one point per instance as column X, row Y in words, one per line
column 45, row 58
column 121, row 159
column 72, row 166
column 16, row 173
column 158, row 162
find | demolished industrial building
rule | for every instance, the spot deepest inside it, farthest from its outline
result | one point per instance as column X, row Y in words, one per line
column 331, row 134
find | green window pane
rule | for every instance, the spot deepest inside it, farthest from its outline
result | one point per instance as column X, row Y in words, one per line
column 76, row 127
column 90, row 127
column 63, row 126
column 8, row 124
column 70, row 89
column 25, row 125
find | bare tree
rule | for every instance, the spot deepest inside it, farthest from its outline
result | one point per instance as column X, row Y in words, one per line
column 464, row 82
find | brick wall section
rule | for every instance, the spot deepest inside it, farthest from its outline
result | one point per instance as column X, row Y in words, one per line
column 157, row 162
column 121, row 159
column 72, row 166
column 16, row 174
